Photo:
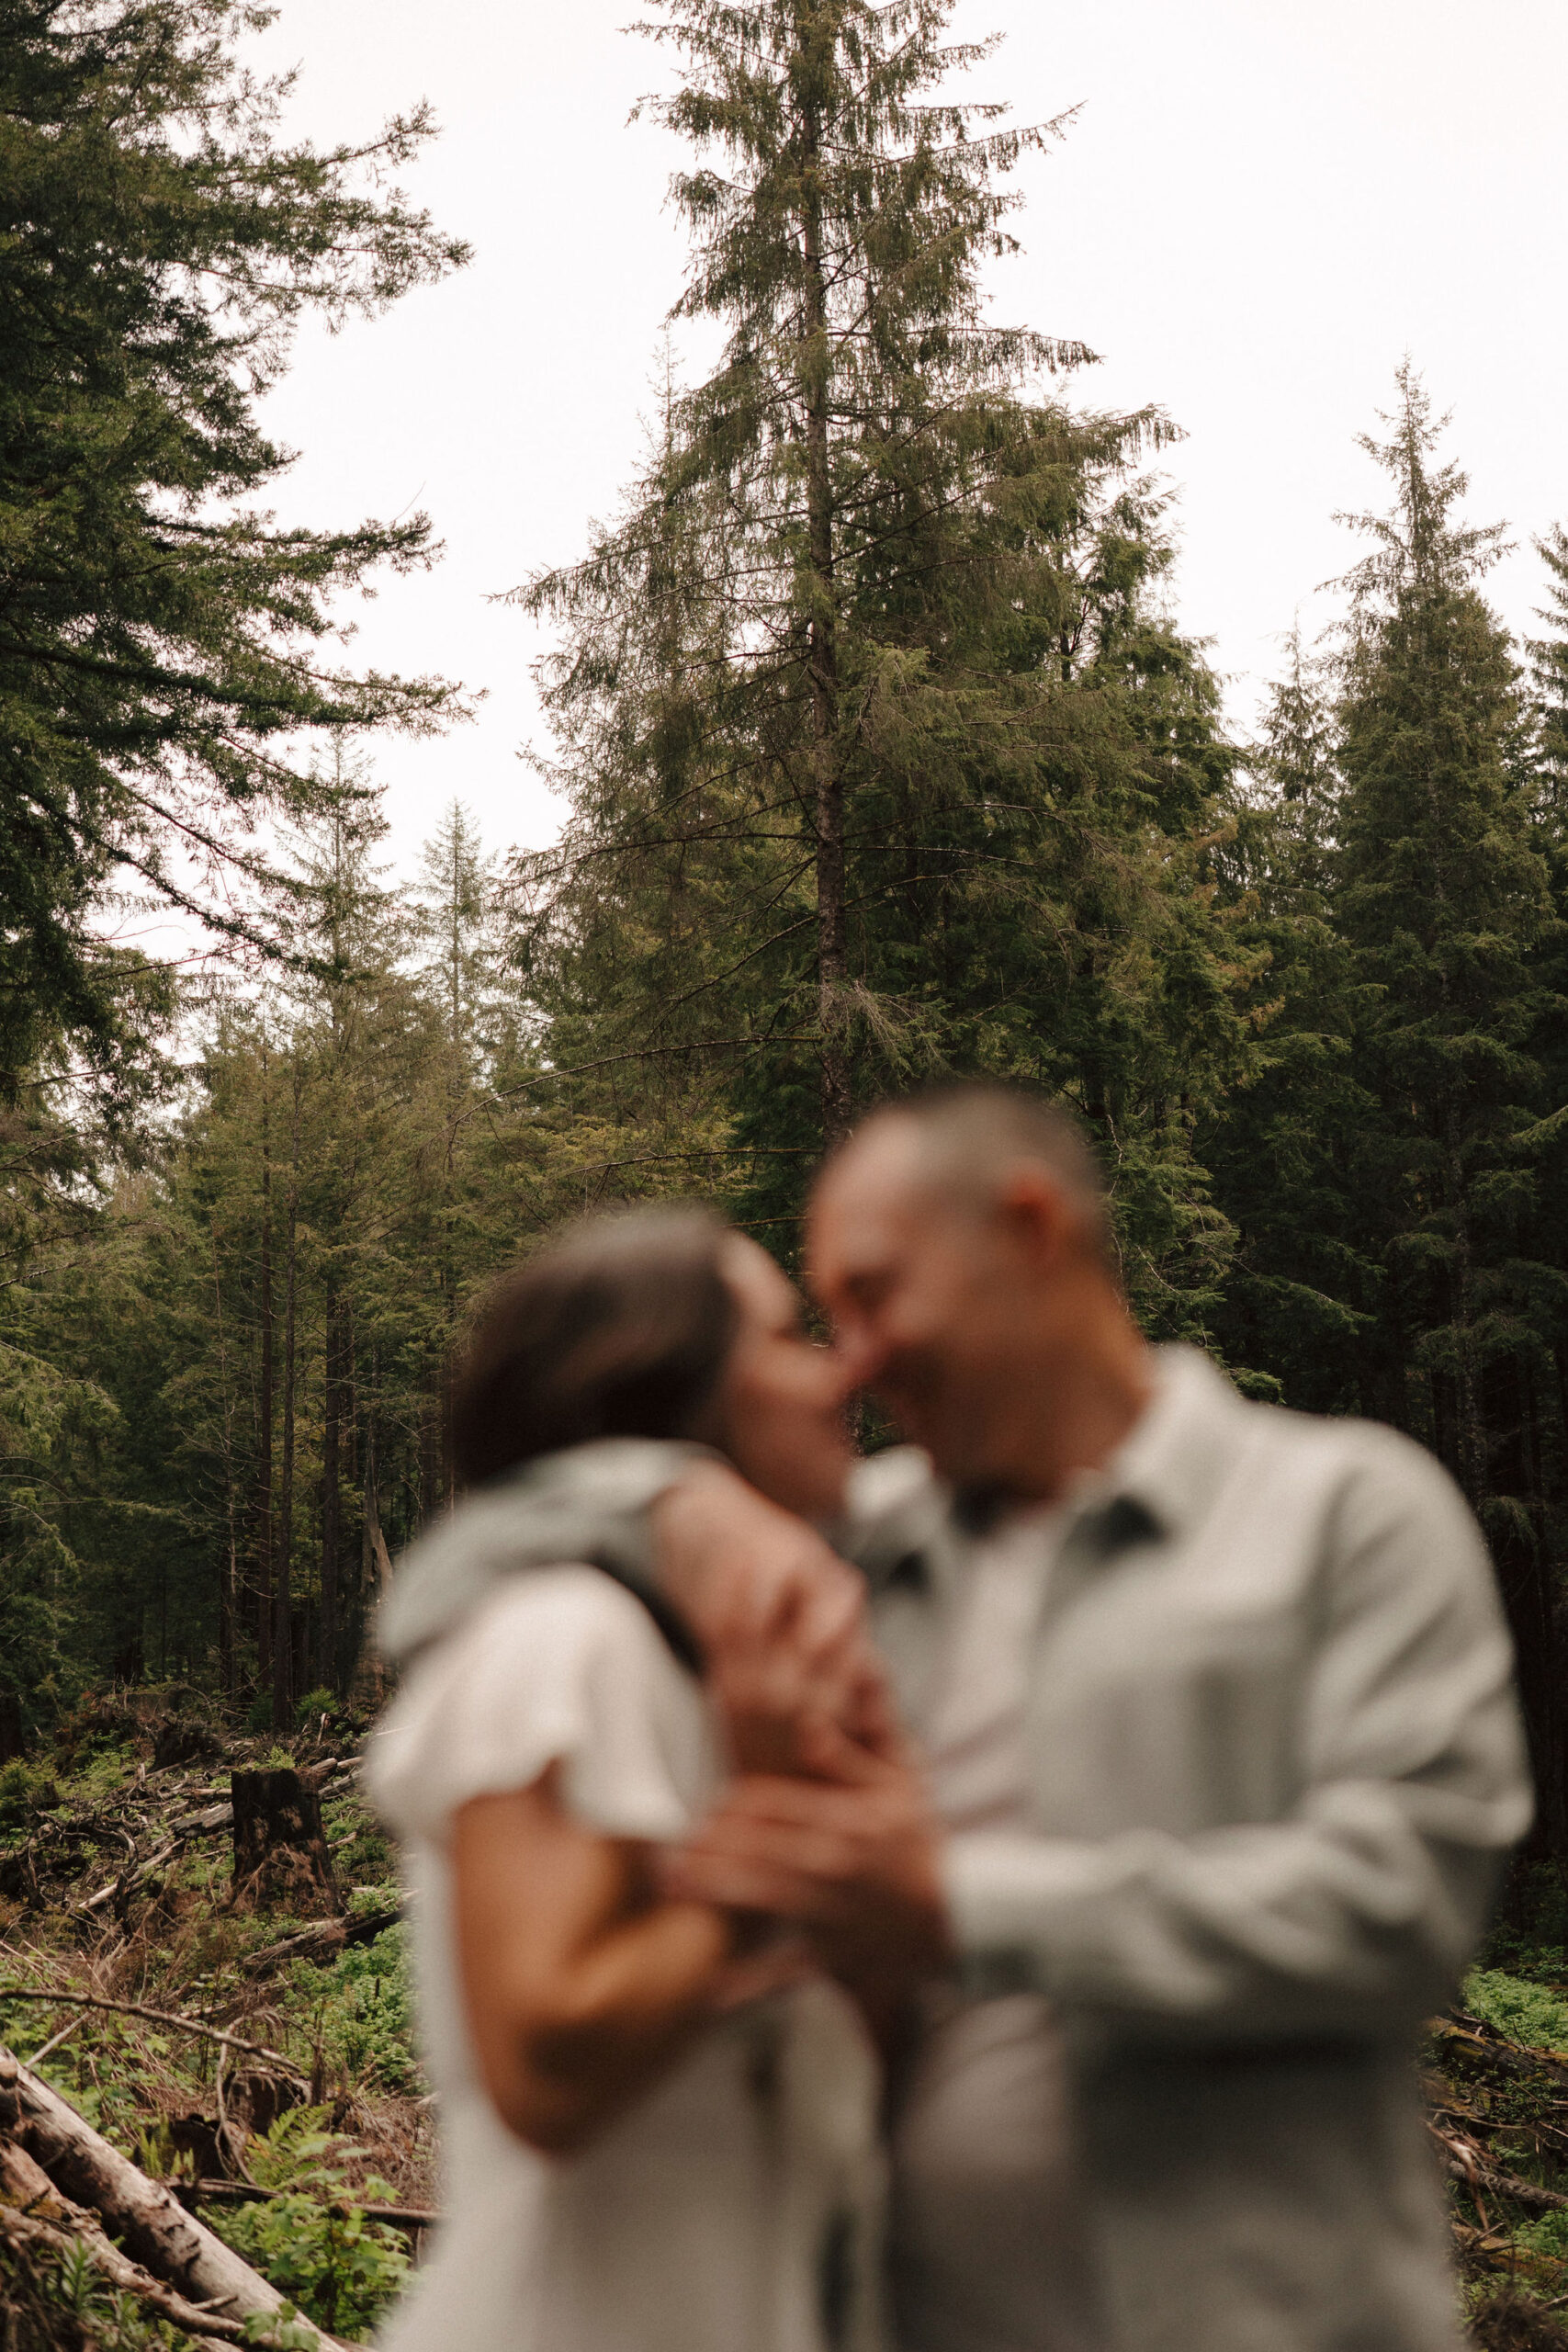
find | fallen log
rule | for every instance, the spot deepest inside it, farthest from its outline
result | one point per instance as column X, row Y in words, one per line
column 197, row 1825
column 153, row 2226
column 129, row 2278
column 1482, row 2046
column 1467, row 2162
column 1527, row 2193
column 325, row 1936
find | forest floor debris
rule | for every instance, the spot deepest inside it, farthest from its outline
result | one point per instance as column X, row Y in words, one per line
column 257, row 2069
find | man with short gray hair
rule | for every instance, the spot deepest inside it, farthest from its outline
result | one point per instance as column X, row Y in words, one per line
column 1216, row 1706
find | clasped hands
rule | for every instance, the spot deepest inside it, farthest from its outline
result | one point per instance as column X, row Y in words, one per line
column 825, row 1824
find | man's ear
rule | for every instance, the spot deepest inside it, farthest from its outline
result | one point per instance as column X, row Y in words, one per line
column 1039, row 1215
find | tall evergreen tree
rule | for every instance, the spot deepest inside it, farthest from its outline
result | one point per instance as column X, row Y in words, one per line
column 161, row 640
column 1284, row 1149
column 1442, row 894
column 1549, row 671
column 881, row 762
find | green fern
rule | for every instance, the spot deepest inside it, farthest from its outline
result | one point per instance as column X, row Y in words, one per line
column 339, row 2270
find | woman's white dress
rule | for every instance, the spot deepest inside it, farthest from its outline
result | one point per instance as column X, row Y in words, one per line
column 737, row 2207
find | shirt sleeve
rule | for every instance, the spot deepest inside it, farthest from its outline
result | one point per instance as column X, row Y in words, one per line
column 1356, row 1912
column 561, row 1666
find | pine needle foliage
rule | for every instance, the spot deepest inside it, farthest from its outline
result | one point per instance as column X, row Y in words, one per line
column 881, row 759
column 162, row 639
column 1397, row 1175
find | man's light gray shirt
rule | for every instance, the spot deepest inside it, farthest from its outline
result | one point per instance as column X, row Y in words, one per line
column 1273, row 1763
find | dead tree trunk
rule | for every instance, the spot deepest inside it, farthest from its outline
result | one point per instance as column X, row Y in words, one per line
column 264, row 1409
column 280, row 1847
column 149, row 2220
column 284, row 1691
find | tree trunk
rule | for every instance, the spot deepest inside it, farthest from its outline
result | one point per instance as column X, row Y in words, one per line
column 228, row 1589
column 263, row 1415
column 328, row 1663
column 430, row 1452
column 283, row 1693
column 376, row 1573
column 822, row 663
column 280, row 1847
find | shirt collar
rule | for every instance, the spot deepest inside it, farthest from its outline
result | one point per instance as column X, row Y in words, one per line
column 1161, row 1476
column 1159, row 1480
column 1172, row 1459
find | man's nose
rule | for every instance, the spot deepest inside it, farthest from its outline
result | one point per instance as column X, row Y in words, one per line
column 859, row 1355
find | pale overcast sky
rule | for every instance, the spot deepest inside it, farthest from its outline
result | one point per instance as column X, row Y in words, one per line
column 1261, row 206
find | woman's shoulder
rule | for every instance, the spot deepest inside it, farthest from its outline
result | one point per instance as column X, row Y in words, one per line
column 558, row 1664
column 569, row 1602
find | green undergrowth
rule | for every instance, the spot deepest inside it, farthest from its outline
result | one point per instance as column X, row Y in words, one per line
column 360, row 2011
column 338, row 2266
column 1529, row 2012
column 342, row 2124
column 1513, row 2259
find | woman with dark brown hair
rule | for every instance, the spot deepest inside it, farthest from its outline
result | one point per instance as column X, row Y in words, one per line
column 659, row 2137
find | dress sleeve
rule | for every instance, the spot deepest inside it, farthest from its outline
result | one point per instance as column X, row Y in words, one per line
column 561, row 1666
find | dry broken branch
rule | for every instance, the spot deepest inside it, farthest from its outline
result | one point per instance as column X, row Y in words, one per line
column 240, row 2192
column 158, row 2017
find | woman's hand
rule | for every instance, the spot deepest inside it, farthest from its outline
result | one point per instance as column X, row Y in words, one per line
column 581, row 1983
column 852, row 1857
column 781, row 1619
column 736, row 1565
column 779, row 1700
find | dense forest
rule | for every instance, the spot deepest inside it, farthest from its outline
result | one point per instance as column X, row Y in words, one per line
column 880, row 755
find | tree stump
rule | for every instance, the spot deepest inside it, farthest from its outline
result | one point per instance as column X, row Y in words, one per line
column 280, row 1849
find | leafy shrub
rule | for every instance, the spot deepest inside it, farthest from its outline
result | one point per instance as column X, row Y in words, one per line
column 385, row 1895
column 339, row 2268
column 99, row 1722
column 314, row 1706
column 16, row 1785
column 1527, row 2013
column 23, row 1790
column 1548, row 2233
column 362, row 2012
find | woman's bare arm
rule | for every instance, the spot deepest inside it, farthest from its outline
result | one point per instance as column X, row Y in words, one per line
column 582, row 1984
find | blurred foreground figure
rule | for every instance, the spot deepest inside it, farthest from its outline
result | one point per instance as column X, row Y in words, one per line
column 659, row 2131
column 1217, row 1702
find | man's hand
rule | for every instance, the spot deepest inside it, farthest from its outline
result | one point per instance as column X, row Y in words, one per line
column 852, row 1858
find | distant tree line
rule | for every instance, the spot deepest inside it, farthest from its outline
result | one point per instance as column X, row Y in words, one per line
column 882, row 757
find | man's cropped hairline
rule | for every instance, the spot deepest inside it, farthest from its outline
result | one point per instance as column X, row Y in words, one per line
column 974, row 1131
